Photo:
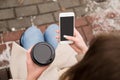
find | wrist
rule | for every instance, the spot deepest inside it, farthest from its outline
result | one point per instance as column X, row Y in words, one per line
column 85, row 48
column 31, row 78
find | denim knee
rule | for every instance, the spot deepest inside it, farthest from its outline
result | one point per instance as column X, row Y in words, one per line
column 50, row 35
column 31, row 36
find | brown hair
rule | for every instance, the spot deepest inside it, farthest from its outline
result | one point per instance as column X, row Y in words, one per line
column 101, row 62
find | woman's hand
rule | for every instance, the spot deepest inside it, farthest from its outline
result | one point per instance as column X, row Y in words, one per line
column 33, row 70
column 78, row 43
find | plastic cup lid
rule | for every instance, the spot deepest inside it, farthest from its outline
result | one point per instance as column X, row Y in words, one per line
column 43, row 53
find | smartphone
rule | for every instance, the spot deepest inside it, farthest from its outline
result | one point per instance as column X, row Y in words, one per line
column 66, row 23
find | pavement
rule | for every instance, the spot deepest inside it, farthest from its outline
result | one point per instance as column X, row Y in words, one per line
column 16, row 15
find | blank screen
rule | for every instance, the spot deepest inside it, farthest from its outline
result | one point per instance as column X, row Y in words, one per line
column 66, row 25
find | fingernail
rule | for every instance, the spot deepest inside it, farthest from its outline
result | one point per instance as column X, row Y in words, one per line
column 65, row 36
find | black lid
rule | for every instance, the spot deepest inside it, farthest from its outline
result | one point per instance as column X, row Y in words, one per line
column 43, row 53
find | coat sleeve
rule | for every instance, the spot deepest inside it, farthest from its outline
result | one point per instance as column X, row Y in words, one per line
column 80, row 57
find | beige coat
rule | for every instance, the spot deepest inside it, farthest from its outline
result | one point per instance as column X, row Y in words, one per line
column 65, row 58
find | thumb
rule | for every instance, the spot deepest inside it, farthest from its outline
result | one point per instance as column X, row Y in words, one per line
column 71, row 38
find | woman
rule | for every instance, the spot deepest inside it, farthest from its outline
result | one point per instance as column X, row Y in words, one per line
column 101, row 61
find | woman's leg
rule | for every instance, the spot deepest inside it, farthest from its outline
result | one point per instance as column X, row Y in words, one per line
column 31, row 36
column 50, row 35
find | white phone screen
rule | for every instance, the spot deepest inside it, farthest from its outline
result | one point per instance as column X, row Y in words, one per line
column 66, row 26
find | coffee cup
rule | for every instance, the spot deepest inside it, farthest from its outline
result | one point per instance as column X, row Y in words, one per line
column 43, row 54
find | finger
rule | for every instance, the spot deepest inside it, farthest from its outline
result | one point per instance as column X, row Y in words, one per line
column 58, row 31
column 28, row 55
column 57, row 37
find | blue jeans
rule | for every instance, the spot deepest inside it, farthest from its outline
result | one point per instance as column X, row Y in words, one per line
column 33, row 35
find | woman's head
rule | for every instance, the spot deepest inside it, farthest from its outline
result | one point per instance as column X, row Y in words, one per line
column 101, row 62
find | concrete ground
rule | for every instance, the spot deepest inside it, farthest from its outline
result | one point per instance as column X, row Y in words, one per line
column 15, row 17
